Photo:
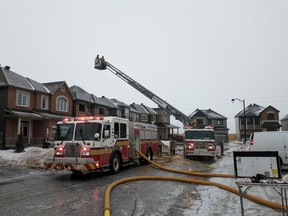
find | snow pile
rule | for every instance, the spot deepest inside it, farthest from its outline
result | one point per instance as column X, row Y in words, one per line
column 31, row 157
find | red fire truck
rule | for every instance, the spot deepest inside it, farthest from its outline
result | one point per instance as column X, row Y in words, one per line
column 101, row 143
column 199, row 142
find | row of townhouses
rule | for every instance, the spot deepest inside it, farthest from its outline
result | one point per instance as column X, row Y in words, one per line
column 33, row 109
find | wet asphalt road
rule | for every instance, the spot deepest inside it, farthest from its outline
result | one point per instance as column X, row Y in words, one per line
column 25, row 191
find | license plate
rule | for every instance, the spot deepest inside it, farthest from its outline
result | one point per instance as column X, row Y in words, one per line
column 199, row 151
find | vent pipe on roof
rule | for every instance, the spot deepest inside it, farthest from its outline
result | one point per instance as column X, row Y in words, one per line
column 7, row 67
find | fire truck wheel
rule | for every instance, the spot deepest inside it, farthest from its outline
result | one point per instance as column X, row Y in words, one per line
column 115, row 164
column 76, row 175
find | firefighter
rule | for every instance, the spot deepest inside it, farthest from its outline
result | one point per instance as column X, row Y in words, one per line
column 172, row 145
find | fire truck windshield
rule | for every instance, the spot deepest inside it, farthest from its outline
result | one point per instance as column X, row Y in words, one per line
column 64, row 132
column 87, row 131
column 199, row 134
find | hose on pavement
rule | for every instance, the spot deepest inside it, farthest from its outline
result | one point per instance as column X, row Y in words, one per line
column 107, row 210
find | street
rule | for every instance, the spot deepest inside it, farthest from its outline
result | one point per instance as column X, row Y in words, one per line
column 26, row 191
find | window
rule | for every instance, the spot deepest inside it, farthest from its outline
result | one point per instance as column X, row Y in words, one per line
column 257, row 121
column 123, row 130
column 144, row 118
column 62, row 104
column 101, row 111
column 270, row 116
column 116, row 130
column 44, row 102
column 82, row 107
column 87, row 131
column 106, row 131
column 23, row 99
column 249, row 121
column 219, row 122
column 199, row 121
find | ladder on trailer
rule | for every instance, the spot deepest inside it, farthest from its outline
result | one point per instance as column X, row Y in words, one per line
column 102, row 64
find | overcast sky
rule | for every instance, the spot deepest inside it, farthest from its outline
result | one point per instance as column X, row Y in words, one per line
column 193, row 54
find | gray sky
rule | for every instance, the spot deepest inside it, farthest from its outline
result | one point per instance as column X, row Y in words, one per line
column 193, row 54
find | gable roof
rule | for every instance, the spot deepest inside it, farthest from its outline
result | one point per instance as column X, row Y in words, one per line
column 80, row 94
column 119, row 103
column 103, row 101
column 139, row 108
column 209, row 114
column 150, row 110
column 10, row 78
column 251, row 110
column 54, row 86
column 160, row 111
column 285, row 118
column 271, row 108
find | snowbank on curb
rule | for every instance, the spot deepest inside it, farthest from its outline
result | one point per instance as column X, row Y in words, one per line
column 31, row 157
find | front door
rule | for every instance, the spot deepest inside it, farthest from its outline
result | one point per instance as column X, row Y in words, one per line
column 24, row 130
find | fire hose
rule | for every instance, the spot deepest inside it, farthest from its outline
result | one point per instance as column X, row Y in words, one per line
column 258, row 200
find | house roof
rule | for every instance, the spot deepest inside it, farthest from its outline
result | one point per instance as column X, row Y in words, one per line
column 150, row 110
column 270, row 107
column 23, row 114
column 10, row 78
column 132, row 110
column 285, row 118
column 139, row 108
column 251, row 110
column 104, row 101
column 80, row 94
column 32, row 114
column 210, row 114
column 119, row 103
column 54, row 86
column 160, row 111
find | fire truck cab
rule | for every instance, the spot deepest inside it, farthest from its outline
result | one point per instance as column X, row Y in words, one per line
column 199, row 142
column 101, row 143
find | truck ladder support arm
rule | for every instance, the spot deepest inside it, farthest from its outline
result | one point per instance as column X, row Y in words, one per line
column 101, row 64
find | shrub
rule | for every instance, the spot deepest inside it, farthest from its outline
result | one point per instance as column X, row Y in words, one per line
column 19, row 145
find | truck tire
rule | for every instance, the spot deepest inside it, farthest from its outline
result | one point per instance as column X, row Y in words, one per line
column 115, row 164
column 76, row 174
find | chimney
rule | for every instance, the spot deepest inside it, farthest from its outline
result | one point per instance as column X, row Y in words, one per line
column 7, row 67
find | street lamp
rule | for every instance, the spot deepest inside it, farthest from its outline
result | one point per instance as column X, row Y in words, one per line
column 244, row 115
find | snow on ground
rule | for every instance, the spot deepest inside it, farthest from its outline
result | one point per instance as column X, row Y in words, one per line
column 31, row 157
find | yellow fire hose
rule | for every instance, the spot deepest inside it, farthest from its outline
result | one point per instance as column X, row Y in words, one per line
column 258, row 200
column 186, row 172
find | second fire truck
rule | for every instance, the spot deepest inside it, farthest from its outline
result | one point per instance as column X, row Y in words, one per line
column 101, row 143
column 199, row 142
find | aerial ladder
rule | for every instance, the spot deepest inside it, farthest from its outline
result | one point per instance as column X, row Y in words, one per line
column 102, row 64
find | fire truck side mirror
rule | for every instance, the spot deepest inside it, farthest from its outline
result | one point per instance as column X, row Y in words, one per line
column 96, row 136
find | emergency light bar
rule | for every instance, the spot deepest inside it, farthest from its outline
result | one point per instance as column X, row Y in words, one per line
column 82, row 118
